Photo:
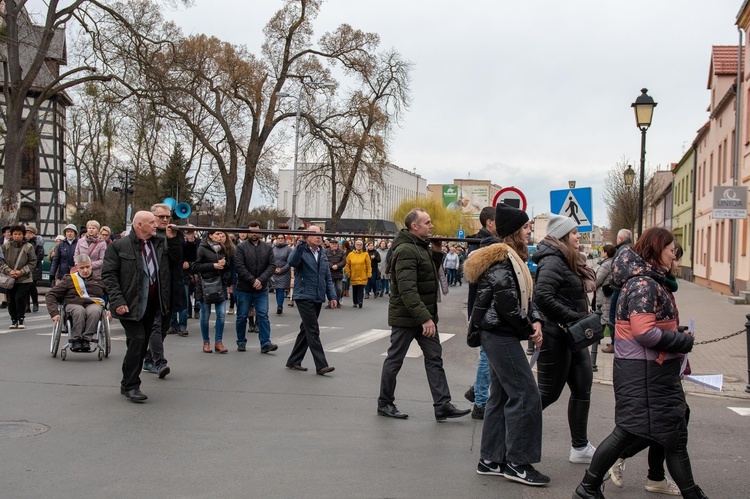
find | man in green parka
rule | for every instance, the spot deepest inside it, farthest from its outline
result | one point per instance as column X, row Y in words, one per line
column 412, row 315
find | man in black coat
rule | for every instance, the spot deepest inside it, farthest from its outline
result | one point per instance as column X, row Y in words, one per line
column 255, row 266
column 479, row 392
column 336, row 262
column 136, row 273
column 155, row 362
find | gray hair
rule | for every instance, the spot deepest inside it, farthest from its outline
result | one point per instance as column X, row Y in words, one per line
column 624, row 234
column 82, row 258
column 412, row 217
column 160, row 205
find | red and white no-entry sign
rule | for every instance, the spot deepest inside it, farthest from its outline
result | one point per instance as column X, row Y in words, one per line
column 512, row 197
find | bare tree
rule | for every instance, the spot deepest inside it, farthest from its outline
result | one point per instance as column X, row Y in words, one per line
column 355, row 138
column 621, row 200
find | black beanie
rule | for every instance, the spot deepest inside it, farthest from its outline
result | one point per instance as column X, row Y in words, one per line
column 509, row 219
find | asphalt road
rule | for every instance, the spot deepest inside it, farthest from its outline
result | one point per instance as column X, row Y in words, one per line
column 242, row 425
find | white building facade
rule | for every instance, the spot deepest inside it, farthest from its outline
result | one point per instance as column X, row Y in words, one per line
column 376, row 203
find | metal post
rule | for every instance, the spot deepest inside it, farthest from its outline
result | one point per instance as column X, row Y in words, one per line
column 640, row 193
column 747, row 337
column 296, row 157
column 127, row 188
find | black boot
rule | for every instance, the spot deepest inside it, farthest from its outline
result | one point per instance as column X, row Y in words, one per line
column 694, row 492
column 588, row 488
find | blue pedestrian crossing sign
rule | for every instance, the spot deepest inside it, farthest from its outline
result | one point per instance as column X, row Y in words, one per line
column 460, row 234
column 576, row 204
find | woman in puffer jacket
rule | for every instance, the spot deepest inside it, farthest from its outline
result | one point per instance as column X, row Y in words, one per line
column 505, row 316
column 650, row 403
column 560, row 293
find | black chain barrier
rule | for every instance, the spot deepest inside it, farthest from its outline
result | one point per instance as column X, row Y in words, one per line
column 719, row 339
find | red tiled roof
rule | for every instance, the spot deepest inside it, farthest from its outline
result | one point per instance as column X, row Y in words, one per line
column 724, row 60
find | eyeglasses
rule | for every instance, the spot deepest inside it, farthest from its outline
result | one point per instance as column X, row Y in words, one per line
column 164, row 217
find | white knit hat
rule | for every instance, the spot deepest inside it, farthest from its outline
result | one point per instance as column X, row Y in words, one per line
column 559, row 226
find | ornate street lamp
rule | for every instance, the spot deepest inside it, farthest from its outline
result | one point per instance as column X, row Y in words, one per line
column 644, row 110
column 629, row 177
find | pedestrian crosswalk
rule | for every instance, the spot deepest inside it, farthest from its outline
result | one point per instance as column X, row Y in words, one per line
column 336, row 339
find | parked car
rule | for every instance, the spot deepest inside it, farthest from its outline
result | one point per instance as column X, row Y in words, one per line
column 532, row 266
column 46, row 264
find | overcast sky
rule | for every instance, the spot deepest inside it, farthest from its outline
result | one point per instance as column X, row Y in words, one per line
column 525, row 93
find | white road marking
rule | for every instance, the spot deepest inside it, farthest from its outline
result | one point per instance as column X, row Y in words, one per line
column 742, row 411
column 358, row 340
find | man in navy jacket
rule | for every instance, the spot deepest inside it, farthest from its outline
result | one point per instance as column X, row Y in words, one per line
column 312, row 283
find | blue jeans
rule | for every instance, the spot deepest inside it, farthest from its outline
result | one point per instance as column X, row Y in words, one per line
column 179, row 319
column 245, row 300
column 221, row 314
column 280, row 295
column 450, row 274
column 373, row 284
column 482, row 381
column 385, row 285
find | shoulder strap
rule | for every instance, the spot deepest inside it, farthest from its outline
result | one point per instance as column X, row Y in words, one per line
column 18, row 260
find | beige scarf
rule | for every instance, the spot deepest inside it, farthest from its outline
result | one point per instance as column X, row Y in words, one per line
column 524, row 279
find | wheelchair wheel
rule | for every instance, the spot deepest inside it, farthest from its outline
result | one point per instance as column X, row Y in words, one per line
column 55, row 340
column 63, row 354
column 106, row 336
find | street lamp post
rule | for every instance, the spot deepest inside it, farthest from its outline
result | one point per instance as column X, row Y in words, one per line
column 316, row 84
column 126, row 187
column 644, row 110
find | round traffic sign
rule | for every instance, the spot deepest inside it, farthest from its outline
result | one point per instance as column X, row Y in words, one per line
column 510, row 196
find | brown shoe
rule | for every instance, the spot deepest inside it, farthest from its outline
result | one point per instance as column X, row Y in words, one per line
column 608, row 349
column 219, row 347
column 207, row 347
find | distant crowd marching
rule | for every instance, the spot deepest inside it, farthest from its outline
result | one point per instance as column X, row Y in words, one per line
column 158, row 275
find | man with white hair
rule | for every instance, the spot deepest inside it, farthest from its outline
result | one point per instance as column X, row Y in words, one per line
column 83, row 293
column 136, row 273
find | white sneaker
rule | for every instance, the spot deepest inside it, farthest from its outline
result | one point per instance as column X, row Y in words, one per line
column 615, row 472
column 666, row 486
column 582, row 456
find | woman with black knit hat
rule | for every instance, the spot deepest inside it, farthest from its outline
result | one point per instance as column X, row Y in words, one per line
column 505, row 315
column 560, row 293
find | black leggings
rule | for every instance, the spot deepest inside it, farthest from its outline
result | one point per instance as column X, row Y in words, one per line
column 678, row 460
column 558, row 366
column 656, row 455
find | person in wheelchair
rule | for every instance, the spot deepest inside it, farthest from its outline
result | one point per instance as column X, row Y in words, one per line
column 84, row 296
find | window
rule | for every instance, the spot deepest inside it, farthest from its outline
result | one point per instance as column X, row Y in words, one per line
column 711, row 173
column 721, row 243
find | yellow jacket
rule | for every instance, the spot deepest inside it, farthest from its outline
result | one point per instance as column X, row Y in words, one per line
column 358, row 267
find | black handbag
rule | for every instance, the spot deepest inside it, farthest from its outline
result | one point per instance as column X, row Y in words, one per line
column 213, row 290
column 584, row 332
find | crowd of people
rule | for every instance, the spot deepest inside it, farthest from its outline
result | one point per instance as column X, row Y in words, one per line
column 157, row 276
